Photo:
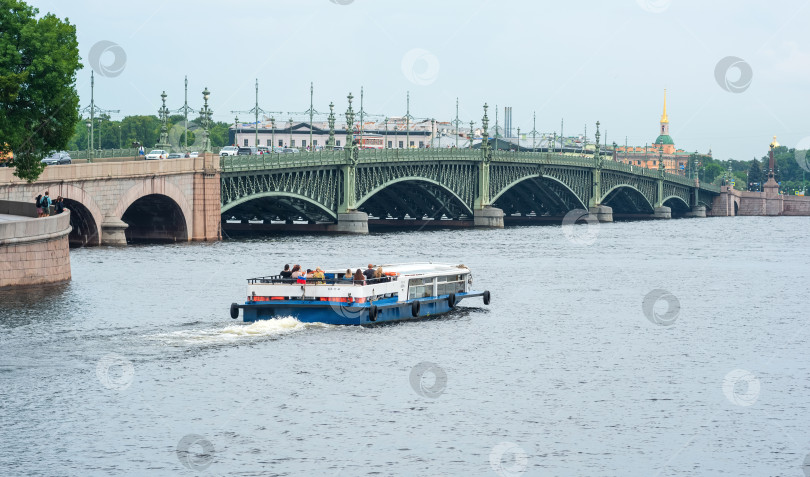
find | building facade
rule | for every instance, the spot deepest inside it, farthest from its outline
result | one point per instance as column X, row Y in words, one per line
column 676, row 161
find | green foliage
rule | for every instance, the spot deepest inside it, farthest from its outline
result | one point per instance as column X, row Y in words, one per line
column 712, row 171
column 144, row 130
column 754, row 176
column 38, row 99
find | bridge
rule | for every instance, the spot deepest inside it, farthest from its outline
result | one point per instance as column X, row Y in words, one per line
column 477, row 187
column 345, row 191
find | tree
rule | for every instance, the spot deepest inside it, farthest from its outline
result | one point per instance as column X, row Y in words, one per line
column 712, row 171
column 754, row 175
column 38, row 100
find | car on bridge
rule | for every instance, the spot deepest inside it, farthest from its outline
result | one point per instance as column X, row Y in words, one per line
column 291, row 150
column 175, row 155
column 228, row 151
column 247, row 151
column 156, row 154
column 56, row 159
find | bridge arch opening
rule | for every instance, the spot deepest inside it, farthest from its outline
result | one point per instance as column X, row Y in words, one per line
column 536, row 199
column 627, row 201
column 413, row 198
column 677, row 205
column 155, row 218
column 85, row 229
column 270, row 207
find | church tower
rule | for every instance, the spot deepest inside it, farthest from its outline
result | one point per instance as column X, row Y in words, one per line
column 664, row 141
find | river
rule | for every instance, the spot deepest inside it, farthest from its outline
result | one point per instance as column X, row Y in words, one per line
column 648, row 348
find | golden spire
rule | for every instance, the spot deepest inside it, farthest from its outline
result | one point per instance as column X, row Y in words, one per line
column 664, row 118
column 774, row 143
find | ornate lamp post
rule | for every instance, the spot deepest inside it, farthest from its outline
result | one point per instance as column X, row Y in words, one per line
column 432, row 131
column 485, row 133
column 89, row 126
column 518, row 139
column 350, row 123
column 273, row 126
column 386, row 133
column 330, row 144
column 206, row 113
column 472, row 134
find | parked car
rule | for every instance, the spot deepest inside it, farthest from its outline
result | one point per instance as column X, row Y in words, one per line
column 291, row 150
column 246, row 151
column 175, row 155
column 57, row 158
column 228, row 151
column 156, row 154
column 194, row 154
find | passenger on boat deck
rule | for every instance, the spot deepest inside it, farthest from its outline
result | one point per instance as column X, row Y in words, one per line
column 309, row 273
column 296, row 271
column 359, row 278
column 286, row 273
column 318, row 275
column 369, row 272
column 349, row 275
column 378, row 273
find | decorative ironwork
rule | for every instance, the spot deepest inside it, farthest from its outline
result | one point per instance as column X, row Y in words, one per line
column 443, row 182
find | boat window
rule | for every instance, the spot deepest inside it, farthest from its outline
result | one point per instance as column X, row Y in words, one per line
column 450, row 284
column 420, row 288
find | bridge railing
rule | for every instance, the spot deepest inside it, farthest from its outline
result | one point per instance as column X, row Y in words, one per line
column 710, row 187
column 426, row 154
column 281, row 161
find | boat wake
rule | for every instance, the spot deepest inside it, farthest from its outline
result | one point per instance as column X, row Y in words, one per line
column 259, row 330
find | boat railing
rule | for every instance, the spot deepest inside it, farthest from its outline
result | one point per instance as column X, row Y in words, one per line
column 329, row 280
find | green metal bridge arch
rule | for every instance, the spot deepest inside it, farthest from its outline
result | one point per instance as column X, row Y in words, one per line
column 454, row 183
column 439, row 198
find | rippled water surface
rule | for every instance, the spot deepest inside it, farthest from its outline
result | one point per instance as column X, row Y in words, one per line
column 563, row 374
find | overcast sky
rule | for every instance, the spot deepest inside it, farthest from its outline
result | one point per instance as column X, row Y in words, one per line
column 581, row 60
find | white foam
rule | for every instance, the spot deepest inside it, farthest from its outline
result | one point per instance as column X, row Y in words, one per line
column 238, row 332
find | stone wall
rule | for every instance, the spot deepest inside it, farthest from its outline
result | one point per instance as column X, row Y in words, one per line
column 758, row 204
column 33, row 251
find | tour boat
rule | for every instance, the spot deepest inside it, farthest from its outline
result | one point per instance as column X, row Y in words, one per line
column 404, row 292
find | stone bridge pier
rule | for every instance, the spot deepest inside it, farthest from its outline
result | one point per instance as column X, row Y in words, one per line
column 114, row 203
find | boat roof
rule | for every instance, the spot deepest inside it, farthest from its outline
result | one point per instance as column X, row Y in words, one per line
column 416, row 268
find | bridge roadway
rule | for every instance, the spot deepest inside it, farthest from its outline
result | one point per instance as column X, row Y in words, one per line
column 345, row 191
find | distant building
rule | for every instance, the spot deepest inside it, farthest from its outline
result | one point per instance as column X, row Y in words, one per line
column 663, row 149
column 297, row 133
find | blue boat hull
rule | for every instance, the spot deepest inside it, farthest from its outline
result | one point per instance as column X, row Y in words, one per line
column 339, row 313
